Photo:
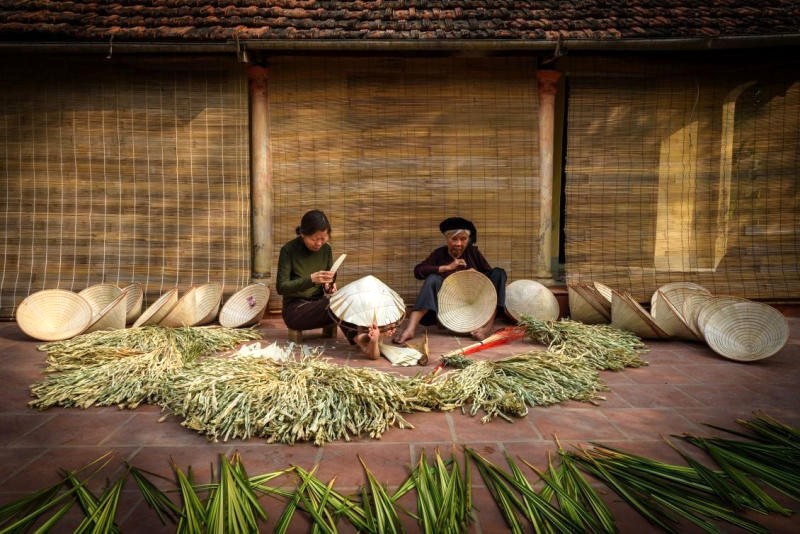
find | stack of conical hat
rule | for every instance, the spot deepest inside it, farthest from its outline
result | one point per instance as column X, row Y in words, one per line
column 627, row 314
column 134, row 301
column 670, row 318
column 99, row 296
column 158, row 309
column 589, row 302
column 112, row 317
column 366, row 301
column 198, row 306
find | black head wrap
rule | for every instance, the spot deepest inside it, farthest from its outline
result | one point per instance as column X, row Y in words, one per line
column 459, row 223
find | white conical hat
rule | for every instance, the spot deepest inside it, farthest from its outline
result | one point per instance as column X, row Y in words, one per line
column 367, row 300
column 532, row 299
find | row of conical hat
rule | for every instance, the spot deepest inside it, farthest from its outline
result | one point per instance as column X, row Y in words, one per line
column 734, row 327
column 57, row 314
column 467, row 300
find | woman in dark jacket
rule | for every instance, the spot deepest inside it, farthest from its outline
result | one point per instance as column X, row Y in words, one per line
column 459, row 253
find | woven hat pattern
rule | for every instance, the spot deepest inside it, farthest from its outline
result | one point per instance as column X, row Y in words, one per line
column 112, row 317
column 711, row 307
column 53, row 314
column 245, row 307
column 746, row 331
column 134, row 301
column 367, row 300
column 467, row 300
column 99, row 296
column 158, row 309
column 531, row 299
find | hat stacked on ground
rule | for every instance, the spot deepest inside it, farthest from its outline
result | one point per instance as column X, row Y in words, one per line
column 532, row 299
column 589, row 302
column 134, row 301
column 627, row 314
column 198, row 306
column 112, row 317
column 367, row 301
column 158, row 309
column 467, row 301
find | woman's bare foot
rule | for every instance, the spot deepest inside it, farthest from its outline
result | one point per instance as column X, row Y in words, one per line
column 404, row 335
column 369, row 342
column 482, row 333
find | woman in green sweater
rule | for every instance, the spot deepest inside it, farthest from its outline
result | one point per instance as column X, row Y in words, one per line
column 304, row 276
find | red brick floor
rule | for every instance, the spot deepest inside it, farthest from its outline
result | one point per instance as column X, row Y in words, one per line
column 684, row 387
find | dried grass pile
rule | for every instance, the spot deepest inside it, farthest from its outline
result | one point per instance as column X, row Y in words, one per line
column 125, row 367
column 305, row 398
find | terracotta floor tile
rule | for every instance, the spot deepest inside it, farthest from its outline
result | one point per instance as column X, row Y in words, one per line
column 685, row 385
column 574, row 424
column 644, row 423
column 655, row 396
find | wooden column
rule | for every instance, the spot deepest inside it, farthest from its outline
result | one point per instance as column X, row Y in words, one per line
column 548, row 86
column 260, row 174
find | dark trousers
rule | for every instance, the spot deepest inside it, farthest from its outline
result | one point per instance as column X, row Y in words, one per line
column 302, row 314
column 427, row 298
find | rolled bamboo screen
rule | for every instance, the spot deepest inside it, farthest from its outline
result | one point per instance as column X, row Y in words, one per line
column 388, row 147
column 684, row 171
column 122, row 172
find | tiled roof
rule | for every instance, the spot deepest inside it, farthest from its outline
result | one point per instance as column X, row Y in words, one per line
column 198, row 21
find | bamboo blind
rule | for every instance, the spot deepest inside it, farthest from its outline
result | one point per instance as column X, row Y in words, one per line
column 122, row 172
column 388, row 147
column 684, row 172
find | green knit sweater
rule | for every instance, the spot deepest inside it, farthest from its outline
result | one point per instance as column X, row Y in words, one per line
column 295, row 265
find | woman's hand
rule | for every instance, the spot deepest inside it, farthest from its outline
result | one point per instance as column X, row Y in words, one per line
column 322, row 277
column 454, row 265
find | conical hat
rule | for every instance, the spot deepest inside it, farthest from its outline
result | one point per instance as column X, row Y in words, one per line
column 692, row 306
column 99, row 296
column 467, row 300
column 198, row 306
column 112, row 317
column 532, row 299
column 627, row 314
column 676, row 292
column 584, row 304
column 53, row 314
column 134, row 302
column 669, row 319
column 367, row 300
column 746, row 331
column 245, row 307
column 159, row 309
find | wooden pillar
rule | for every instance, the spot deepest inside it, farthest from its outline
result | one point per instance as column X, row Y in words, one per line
column 548, row 86
column 260, row 174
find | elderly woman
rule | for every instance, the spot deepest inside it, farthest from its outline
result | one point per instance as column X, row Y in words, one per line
column 459, row 253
